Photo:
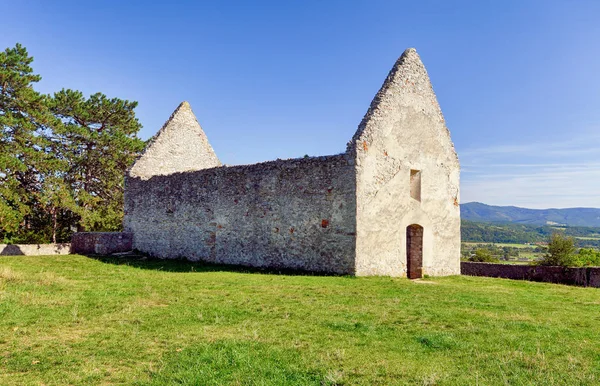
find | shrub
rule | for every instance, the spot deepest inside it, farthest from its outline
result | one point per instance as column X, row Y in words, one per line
column 588, row 257
column 561, row 251
column 483, row 256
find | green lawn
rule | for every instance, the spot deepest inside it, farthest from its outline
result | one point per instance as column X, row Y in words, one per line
column 76, row 320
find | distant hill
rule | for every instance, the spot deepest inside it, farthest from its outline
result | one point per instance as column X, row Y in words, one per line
column 511, row 233
column 478, row 212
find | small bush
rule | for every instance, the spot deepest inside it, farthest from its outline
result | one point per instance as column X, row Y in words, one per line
column 588, row 257
column 483, row 256
column 561, row 251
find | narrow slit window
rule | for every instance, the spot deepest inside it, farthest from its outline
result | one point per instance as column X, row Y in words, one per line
column 415, row 184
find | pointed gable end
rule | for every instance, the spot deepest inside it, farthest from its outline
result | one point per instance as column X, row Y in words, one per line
column 179, row 146
column 407, row 179
column 405, row 109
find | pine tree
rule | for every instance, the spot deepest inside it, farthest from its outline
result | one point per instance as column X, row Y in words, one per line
column 62, row 157
column 97, row 137
column 23, row 114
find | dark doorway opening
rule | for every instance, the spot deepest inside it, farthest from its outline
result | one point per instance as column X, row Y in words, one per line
column 414, row 251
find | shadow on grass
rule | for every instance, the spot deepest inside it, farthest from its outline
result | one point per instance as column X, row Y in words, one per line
column 183, row 265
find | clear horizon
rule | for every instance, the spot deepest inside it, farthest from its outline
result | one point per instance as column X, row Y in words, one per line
column 522, row 207
column 517, row 82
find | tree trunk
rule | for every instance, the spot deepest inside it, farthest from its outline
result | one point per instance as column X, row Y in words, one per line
column 54, row 224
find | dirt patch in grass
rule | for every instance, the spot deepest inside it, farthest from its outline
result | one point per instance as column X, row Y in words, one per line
column 8, row 275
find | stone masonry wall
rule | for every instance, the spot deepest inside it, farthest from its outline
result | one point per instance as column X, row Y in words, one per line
column 586, row 276
column 297, row 214
column 404, row 134
column 101, row 243
column 180, row 146
column 34, row 249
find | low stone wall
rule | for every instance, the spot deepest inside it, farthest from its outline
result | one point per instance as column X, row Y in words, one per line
column 101, row 243
column 34, row 249
column 586, row 276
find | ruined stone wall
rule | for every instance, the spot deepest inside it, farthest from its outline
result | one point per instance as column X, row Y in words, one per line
column 404, row 130
column 179, row 146
column 101, row 243
column 297, row 214
column 34, row 249
column 585, row 276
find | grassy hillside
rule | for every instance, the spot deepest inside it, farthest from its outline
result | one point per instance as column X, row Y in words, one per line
column 75, row 320
column 584, row 217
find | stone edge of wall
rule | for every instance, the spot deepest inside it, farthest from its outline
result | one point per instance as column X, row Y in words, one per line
column 101, row 243
column 34, row 249
column 278, row 163
column 585, row 276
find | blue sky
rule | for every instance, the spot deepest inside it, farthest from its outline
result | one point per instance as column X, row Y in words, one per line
column 517, row 80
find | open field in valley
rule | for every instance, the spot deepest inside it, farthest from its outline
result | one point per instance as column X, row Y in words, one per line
column 515, row 245
column 78, row 320
column 506, row 253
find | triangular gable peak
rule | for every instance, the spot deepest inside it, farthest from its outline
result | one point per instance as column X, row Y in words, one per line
column 406, row 93
column 407, row 179
column 179, row 146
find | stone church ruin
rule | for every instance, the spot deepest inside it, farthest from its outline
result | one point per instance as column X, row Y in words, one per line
column 387, row 206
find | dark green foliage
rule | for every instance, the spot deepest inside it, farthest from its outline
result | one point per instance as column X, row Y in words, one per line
column 97, row 136
column 62, row 157
column 588, row 257
column 22, row 115
column 499, row 233
column 479, row 232
column 561, row 251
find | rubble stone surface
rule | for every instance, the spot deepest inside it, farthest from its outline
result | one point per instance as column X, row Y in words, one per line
column 345, row 214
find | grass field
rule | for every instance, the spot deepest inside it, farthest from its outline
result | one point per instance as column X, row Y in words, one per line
column 77, row 320
column 525, row 253
column 501, row 244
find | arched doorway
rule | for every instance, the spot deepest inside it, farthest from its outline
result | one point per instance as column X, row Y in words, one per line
column 414, row 251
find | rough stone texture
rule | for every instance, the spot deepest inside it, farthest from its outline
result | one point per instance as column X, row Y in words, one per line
column 101, row 243
column 179, row 146
column 594, row 277
column 295, row 214
column 34, row 249
column 404, row 129
column 343, row 214
column 587, row 276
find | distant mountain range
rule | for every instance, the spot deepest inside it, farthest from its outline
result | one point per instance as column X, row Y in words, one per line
column 476, row 211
